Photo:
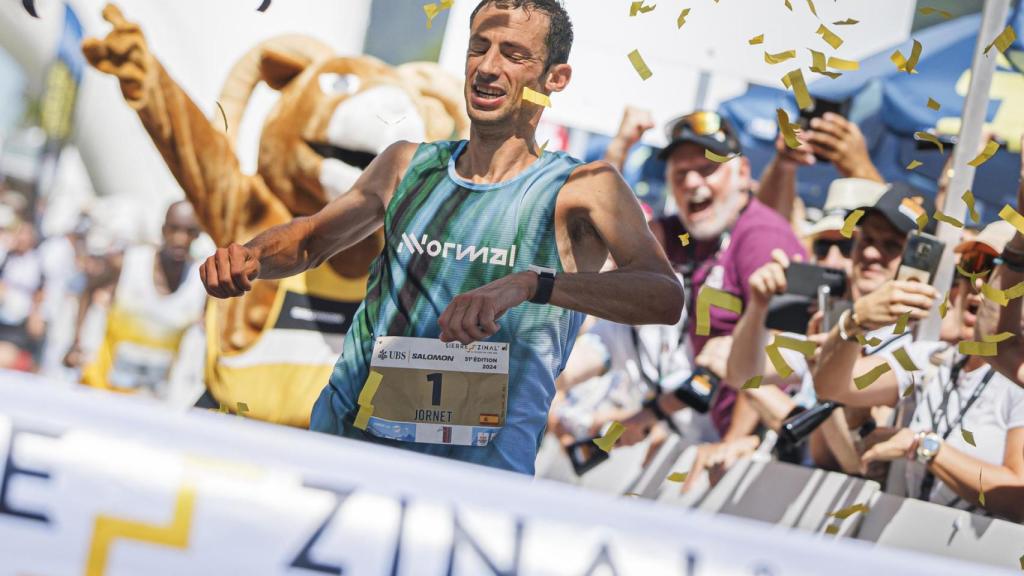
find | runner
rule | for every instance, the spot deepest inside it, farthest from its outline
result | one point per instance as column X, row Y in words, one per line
column 490, row 240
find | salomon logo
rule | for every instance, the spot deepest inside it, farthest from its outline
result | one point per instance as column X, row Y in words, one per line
column 435, row 248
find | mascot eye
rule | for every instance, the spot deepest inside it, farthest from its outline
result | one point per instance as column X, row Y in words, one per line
column 331, row 83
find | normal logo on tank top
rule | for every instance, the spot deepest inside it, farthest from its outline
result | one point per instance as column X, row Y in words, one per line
column 438, row 249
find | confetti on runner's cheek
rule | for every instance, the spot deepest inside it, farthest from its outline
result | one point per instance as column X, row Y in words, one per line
column 536, row 97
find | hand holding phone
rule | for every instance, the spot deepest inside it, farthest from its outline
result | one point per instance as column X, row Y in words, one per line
column 792, row 311
column 921, row 258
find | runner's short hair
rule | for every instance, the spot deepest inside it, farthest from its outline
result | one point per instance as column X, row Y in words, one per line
column 559, row 39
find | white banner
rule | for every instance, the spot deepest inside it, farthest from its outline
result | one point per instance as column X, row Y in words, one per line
column 101, row 485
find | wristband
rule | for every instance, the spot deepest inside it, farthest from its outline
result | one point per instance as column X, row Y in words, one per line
column 852, row 338
column 545, row 284
column 1013, row 260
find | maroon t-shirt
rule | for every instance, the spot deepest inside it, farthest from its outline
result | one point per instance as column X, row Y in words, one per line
column 758, row 230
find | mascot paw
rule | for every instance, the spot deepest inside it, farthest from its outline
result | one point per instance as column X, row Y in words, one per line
column 123, row 53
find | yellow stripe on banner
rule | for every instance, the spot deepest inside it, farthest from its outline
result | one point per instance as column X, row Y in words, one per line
column 108, row 530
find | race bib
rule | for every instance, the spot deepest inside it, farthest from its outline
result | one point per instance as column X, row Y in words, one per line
column 434, row 392
column 139, row 367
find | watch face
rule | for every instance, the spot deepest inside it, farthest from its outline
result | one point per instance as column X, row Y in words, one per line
column 930, row 444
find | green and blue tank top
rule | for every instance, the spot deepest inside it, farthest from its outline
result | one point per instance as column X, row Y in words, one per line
column 445, row 236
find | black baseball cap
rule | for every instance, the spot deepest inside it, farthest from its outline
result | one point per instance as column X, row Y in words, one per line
column 902, row 205
column 704, row 128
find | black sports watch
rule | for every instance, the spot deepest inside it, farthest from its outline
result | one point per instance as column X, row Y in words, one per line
column 545, row 284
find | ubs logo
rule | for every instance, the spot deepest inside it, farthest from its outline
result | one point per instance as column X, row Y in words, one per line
column 391, row 355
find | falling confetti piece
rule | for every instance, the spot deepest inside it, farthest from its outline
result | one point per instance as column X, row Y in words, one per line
column 991, row 147
column 830, row 37
column 1003, row 41
column 536, row 97
column 544, row 146
column 787, row 129
column 994, row 294
column 365, row 399
column 431, row 10
column 944, row 307
column 780, row 57
column 682, row 17
column 903, row 358
column 810, row 4
column 789, row 6
column 968, row 199
column 847, row 22
column 639, row 65
column 1013, row 217
column 998, row 338
column 972, row 276
column 1015, row 292
column 909, row 391
column 845, row 513
column 873, row 341
column 941, row 217
column 928, row 10
column 925, row 136
column 684, row 239
column 981, row 489
column 242, row 408
column 904, row 64
column 30, row 7
column 223, row 115
column 869, row 378
column 851, row 222
column 901, row 323
column 720, row 159
column 610, row 437
column 818, row 65
column 794, row 80
column 805, row 347
column 639, row 8
column 754, row 383
column 678, row 476
column 934, row 105
column 842, row 64
column 971, row 348
column 913, row 165
column 708, row 297
column 833, row 530
column 759, row 39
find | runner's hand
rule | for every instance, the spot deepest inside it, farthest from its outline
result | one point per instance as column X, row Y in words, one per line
column 124, row 54
column 895, row 298
column 473, row 316
column 230, row 271
column 841, row 142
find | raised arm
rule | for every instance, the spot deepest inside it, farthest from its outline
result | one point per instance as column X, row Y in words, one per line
column 307, row 242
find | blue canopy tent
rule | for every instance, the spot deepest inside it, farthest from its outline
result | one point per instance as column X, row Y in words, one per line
column 890, row 106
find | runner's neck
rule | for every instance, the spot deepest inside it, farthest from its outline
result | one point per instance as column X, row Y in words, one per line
column 488, row 160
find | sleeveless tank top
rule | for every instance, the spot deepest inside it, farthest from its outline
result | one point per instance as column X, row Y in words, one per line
column 445, row 236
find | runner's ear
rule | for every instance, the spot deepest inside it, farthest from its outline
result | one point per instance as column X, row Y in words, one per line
column 557, row 77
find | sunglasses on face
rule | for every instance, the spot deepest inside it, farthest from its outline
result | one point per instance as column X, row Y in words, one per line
column 978, row 262
column 823, row 247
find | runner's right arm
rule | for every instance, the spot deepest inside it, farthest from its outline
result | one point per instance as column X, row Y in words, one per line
column 307, row 242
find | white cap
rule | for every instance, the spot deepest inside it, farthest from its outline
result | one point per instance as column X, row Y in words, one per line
column 844, row 195
column 993, row 238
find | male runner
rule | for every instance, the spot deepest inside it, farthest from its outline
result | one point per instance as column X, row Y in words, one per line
column 490, row 240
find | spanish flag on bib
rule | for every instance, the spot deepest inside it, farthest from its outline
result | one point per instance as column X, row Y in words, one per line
column 281, row 374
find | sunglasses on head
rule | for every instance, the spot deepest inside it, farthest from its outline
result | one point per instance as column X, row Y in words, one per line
column 700, row 123
column 823, row 246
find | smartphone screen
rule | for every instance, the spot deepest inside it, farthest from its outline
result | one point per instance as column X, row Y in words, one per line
column 921, row 258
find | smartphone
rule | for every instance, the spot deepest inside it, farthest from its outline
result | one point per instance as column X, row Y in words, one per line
column 695, row 389
column 585, row 455
column 806, row 279
column 792, row 311
column 921, row 258
column 819, row 106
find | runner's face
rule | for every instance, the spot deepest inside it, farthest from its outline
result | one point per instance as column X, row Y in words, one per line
column 506, row 53
column 877, row 253
column 709, row 195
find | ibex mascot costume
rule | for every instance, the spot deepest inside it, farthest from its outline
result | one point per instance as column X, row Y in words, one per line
column 273, row 350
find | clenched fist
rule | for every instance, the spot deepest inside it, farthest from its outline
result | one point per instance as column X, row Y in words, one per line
column 124, row 54
column 230, row 271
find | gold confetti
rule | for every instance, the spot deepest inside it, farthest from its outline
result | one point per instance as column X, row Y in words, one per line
column 909, row 391
column 1021, row 559
column 914, row 164
column 904, row 360
column 944, row 307
column 794, row 80
column 544, row 146
column 845, row 513
column 788, row 130
column 780, row 57
column 639, row 65
column 968, row 199
column 927, row 137
column 1013, row 217
column 968, row 436
column 685, row 239
column 901, row 323
column 981, row 489
column 847, row 22
column 805, row 347
column 867, row 379
column 759, row 39
column 972, row 348
column 829, row 37
column 991, row 147
column 934, row 105
column 873, row 341
column 708, row 297
column 788, row 5
column 610, row 437
column 904, row 64
column 1003, row 41
column 972, row 276
column 365, row 400
column 941, row 217
column 682, row 17
column 833, row 529
column 810, row 4
column 431, row 10
column 754, row 383
column 842, row 64
column 928, row 10
column 242, row 408
column 639, row 8
column 678, row 476
column 818, row 65
column 851, row 222
column 720, row 159
column 994, row 294
column 998, row 338
column 1015, row 292
column 536, row 97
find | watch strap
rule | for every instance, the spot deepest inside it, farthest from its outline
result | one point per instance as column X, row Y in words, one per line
column 545, row 284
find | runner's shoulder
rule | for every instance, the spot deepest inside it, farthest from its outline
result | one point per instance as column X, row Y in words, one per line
column 596, row 178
